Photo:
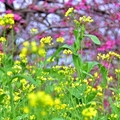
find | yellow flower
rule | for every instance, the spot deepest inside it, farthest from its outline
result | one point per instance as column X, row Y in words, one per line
column 42, row 52
column 89, row 112
column 9, row 73
column 46, row 40
column 86, row 19
column 32, row 99
column 24, row 50
column 67, row 52
column 33, row 31
column 2, row 39
column 34, row 46
column 26, row 44
column 69, row 11
column 26, row 110
column 60, row 39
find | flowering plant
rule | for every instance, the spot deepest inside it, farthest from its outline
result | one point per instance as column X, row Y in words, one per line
column 33, row 88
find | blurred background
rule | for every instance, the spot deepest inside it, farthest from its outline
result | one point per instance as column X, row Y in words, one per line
column 47, row 16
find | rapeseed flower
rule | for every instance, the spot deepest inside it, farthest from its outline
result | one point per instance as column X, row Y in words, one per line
column 33, row 31
column 46, row 40
column 69, row 11
column 60, row 39
column 2, row 39
column 86, row 19
column 89, row 112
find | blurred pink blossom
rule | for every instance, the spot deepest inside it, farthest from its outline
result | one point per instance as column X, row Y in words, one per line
column 17, row 17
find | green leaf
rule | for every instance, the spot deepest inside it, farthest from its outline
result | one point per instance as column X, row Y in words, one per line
column 29, row 78
column 87, row 67
column 91, row 96
column 114, row 108
column 2, row 97
column 104, row 73
column 94, row 39
column 78, row 92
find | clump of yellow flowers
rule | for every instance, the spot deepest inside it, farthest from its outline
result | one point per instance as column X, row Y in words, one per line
column 60, row 39
column 86, row 19
column 42, row 99
column 2, row 39
column 46, row 40
column 6, row 20
column 67, row 52
column 89, row 113
column 34, row 47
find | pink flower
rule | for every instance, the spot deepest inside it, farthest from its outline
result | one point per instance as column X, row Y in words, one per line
column 69, row 42
column 8, row 11
column 10, row 1
column 17, row 17
column 16, row 28
column 52, row 10
column 2, row 0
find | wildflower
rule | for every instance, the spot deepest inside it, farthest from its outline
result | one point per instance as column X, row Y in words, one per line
column 89, row 112
column 26, row 110
column 33, row 31
column 2, row 39
column 69, row 11
column 6, row 20
column 46, row 40
column 32, row 117
column 50, row 60
column 26, row 44
column 60, row 39
column 42, row 52
column 96, row 75
column 34, row 46
column 67, row 52
column 32, row 99
column 86, row 19
column 9, row 73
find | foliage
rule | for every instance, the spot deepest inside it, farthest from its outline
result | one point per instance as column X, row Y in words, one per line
column 32, row 88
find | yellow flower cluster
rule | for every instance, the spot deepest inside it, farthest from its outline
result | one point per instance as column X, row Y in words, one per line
column 89, row 113
column 67, row 52
column 86, row 19
column 41, row 50
column 42, row 99
column 69, row 11
column 17, row 68
column 32, row 48
column 26, row 86
column 7, row 19
column 107, row 56
column 113, row 116
column 23, row 54
column 60, row 39
column 117, row 71
column 46, row 40
column 2, row 39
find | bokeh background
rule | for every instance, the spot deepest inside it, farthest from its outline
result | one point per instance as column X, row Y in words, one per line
column 48, row 17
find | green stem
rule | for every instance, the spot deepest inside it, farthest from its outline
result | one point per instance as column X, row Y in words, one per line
column 13, row 39
column 12, row 101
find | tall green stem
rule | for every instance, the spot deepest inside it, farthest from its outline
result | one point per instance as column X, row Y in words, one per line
column 12, row 101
